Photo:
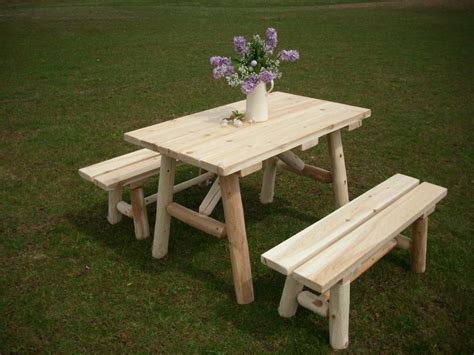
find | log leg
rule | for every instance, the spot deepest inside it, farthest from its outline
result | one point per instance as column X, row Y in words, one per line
column 339, row 180
column 268, row 182
column 115, row 196
column 211, row 200
column 165, row 197
column 140, row 216
column 235, row 226
column 339, row 315
column 419, row 245
column 289, row 302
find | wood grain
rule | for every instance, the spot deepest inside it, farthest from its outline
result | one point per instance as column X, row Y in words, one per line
column 298, row 249
column 199, row 140
column 237, row 236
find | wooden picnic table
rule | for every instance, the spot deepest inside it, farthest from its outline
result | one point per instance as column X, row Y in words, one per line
column 232, row 152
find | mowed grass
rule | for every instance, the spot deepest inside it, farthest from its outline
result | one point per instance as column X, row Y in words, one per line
column 76, row 75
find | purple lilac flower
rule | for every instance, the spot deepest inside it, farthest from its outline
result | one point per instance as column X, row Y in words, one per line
column 222, row 70
column 272, row 38
column 217, row 61
column 249, row 84
column 240, row 44
column 266, row 76
column 289, row 55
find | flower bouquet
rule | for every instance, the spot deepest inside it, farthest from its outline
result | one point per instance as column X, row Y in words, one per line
column 256, row 66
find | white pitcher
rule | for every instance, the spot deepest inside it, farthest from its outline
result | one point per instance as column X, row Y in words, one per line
column 256, row 105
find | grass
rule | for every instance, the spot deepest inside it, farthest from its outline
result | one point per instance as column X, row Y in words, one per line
column 76, row 75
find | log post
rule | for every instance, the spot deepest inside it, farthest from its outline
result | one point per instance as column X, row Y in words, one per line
column 419, row 245
column 339, row 176
column 236, row 234
column 165, row 197
column 268, row 182
column 140, row 215
column 339, row 315
column 314, row 303
column 289, row 302
column 211, row 200
column 115, row 196
column 292, row 160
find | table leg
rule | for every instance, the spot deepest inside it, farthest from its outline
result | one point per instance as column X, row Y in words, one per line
column 235, row 226
column 339, row 176
column 165, row 197
column 268, row 182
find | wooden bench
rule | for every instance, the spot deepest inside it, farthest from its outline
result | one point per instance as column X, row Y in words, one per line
column 328, row 255
column 132, row 170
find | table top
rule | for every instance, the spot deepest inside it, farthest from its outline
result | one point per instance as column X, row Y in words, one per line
column 200, row 140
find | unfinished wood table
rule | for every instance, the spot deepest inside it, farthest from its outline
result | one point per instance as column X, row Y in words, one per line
column 230, row 152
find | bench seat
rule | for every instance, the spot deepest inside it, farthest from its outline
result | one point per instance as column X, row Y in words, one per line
column 123, row 170
column 333, row 252
column 132, row 170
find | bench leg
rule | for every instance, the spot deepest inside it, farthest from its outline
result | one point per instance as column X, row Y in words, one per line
column 237, row 236
column 419, row 245
column 113, row 215
column 339, row 176
column 268, row 182
column 289, row 298
column 339, row 315
column 140, row 216
column 165, row 197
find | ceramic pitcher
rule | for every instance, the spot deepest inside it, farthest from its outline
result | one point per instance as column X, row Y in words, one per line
column 256, row 105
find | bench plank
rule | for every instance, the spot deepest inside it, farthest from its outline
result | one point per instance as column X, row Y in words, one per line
column 123, row 169
column 90, row 172
column 130, row 173
column 343, row 257
column 295, row 251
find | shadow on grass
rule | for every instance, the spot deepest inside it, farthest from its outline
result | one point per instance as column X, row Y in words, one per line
column 185, row 241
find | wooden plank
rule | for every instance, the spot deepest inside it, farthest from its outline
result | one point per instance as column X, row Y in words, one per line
column 217, row 139
column 250, row 169
column 199, row 221
column 196, row 125
column 90, row 172
column 276, row 143
column 128, row 174
column 309, row 143
column 298, row 249
column 276, row 131
column 336, row 261
column 204, row 128
column 199, row 140
column 377, row 255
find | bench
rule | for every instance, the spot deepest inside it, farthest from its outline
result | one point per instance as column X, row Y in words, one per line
column 330, row 254
column 132, row 170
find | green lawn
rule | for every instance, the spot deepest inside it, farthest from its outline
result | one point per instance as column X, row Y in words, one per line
column 76, row 75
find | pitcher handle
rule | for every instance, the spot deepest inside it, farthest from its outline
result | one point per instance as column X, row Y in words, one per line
column 271, row 87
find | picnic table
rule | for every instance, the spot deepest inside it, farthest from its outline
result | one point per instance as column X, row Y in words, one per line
column 295, row 122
